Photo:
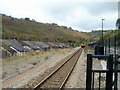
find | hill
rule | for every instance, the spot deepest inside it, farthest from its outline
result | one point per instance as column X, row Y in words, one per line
column 112, row 33
column 26, row 29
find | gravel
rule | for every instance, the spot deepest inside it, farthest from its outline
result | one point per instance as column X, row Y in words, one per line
column 78, row 76
column 34, row 81
column 22, row 73
column 20, row 70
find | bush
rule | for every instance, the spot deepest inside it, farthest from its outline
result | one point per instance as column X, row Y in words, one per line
column 46, row 58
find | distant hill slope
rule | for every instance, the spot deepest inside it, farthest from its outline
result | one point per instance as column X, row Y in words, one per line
column 97, row 33
column 32, row 30
column 112, row 33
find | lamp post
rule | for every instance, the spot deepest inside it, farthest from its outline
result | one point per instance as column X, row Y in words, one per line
column 102, row 34
column 101, row 48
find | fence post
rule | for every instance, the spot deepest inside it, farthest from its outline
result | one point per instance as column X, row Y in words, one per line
column 116, row 75
column 115, row 65
column 105, row 46
column 115, row 46
column 89, row 72
column 109, row 74
column 109, row 45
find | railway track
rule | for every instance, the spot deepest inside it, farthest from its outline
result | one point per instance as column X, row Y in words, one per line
column 59, row 76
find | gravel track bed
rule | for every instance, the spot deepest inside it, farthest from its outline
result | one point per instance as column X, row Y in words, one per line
column 56, row 80
column 15, row 79
column 76, row 80
column 33, row 82
column 78, row 77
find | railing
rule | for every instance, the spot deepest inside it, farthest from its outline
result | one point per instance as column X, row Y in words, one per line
column 112, row 45
column 91, row 73
column 110, row 52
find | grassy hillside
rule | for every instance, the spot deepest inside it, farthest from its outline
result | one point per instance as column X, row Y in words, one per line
column 96, row 33
column 32, row 30
column 112, row 33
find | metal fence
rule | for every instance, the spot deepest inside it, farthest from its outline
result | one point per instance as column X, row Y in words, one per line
column 112, row 73
column 112, row 45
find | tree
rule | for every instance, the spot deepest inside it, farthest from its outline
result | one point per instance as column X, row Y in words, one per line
column 54, row 23
column 4, row 45
column 70, row 28
column 27, row 19
column 12, row 18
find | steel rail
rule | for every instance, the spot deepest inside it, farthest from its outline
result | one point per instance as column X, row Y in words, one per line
column 70, row 72
column 45, row 79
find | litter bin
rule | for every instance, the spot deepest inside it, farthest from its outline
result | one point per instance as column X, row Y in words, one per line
column 96, row 50
column 101, row 50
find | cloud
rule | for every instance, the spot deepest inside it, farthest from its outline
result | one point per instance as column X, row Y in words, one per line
column 77, row 14
column 84, row 16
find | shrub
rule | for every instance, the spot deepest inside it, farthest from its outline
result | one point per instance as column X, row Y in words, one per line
column 46, row 57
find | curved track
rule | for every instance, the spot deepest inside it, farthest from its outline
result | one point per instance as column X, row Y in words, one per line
column 59, row 76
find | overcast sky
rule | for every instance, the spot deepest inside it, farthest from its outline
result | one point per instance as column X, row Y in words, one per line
column 79, row 14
